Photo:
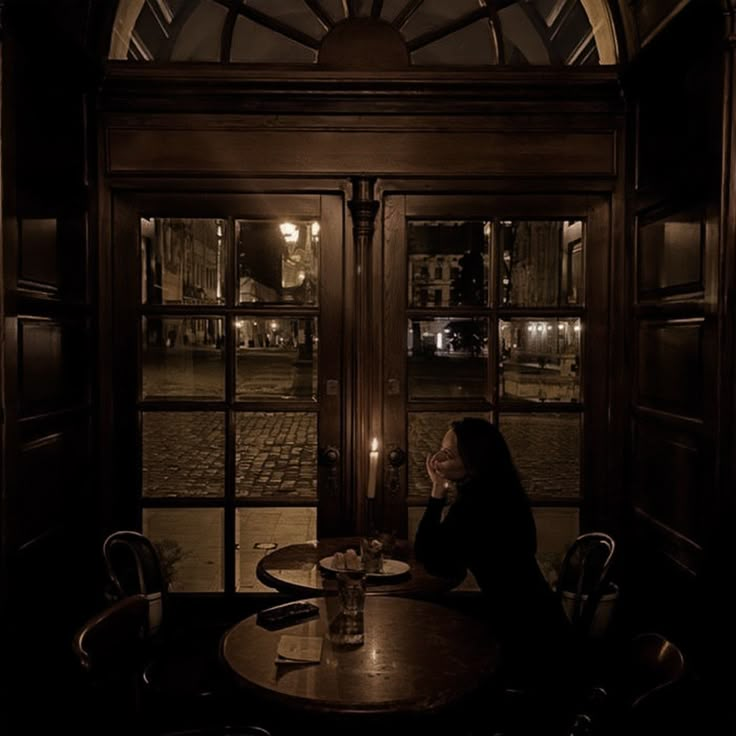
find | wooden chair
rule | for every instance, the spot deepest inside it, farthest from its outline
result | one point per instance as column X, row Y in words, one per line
column 584, row 575
column 184, row 668
column 112, row 648
column 640, row 694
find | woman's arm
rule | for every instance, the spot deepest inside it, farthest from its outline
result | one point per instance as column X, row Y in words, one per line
column 441, row 544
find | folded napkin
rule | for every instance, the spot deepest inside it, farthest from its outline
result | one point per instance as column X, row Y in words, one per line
column 298, row 649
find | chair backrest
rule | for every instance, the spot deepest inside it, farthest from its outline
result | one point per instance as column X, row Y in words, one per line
column 638, row 696
column 653, row 663
column 134, row 567
column 113, row 639
column 584, row 574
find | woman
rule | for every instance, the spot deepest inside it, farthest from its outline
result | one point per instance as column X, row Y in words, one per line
column 490, row 530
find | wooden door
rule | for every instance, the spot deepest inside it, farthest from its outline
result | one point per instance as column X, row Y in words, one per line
column 496, row 306
column 228, row 377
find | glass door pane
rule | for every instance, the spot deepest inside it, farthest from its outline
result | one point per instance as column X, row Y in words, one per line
column 491, row 324
column 222, row 342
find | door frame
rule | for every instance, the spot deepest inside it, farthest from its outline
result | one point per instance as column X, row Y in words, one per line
column 123, row 340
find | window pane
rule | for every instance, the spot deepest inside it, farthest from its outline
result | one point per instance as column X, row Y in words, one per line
column 294, row 14
column 276, row 455
column 468, row 46
column 277, row 357
column 183, row 454
column 448, row 358
column 448, row 263
column 183, row 358
column 191, row 543
column 426, row 430
column 277, row 261
column 434, row 14
column 254, row 43
column 542, row 263
column 182, row 261
column 540, row 359
column 258, row 531
column 546, row 450
column 200, row 37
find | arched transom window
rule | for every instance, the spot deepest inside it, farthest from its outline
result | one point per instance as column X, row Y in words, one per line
column 377, row 34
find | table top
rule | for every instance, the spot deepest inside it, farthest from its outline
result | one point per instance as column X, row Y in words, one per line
column 416, row 657
column 295, row 569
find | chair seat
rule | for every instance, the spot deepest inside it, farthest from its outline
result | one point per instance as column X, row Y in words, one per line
column 188, row 665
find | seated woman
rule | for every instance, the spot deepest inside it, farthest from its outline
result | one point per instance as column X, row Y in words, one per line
column 490, row 530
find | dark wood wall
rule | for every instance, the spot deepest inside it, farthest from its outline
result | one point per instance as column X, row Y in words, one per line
column 48, row 441
column 680, row 548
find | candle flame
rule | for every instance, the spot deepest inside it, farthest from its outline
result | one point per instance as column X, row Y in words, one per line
column 374, row 445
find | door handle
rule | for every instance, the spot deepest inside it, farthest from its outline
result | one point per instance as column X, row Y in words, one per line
column 396, row 458
column 329, row 457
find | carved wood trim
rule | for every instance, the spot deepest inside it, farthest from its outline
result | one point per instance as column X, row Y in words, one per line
column 365, row 418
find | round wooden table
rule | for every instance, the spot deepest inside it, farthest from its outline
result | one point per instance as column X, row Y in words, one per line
column 295, row 569
column 417, row 658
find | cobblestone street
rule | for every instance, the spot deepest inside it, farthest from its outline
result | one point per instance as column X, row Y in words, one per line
column 275, row 457
column 275, row 452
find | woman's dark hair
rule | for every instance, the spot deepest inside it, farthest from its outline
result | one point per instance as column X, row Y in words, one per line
column 485, row 454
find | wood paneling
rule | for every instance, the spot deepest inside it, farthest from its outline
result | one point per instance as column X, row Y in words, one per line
column 676, row 94
column 670, row 366
column 37, row 254
column 52, row 364
column 670, row 256
column 253, row 153
column 667, row 466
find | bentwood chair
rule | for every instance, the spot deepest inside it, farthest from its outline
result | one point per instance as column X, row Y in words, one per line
column 584, row 576
column 184, row 667
column 639, row 694
column 112, row 649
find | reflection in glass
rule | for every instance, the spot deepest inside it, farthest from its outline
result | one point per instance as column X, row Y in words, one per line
column 183, row 358
column 448, row 358
column 546, row 450
column 276, row 454
column 540, row 359
column 183, row 260
column 542, row 263
column 426, row 430
column 191, row 544
column 448, row 263
column 277, row 357
column 259, row 530
column 183, row 454
column 277, row 261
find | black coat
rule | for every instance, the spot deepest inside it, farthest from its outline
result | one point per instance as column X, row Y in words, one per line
column 491, row 532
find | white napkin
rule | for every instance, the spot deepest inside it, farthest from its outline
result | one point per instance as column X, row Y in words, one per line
column 298, row 649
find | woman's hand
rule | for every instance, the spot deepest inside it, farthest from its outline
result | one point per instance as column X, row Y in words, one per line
column 440, row 484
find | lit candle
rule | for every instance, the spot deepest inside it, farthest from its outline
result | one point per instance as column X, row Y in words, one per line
column 372, row 469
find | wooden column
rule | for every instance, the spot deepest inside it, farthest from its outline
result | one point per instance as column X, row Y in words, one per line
column 365, row 418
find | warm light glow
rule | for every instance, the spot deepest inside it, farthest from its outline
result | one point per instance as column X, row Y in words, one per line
column 374, row 444
column 576, row 328
column 315, row 229
column 290, row 232
column 274, row 326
